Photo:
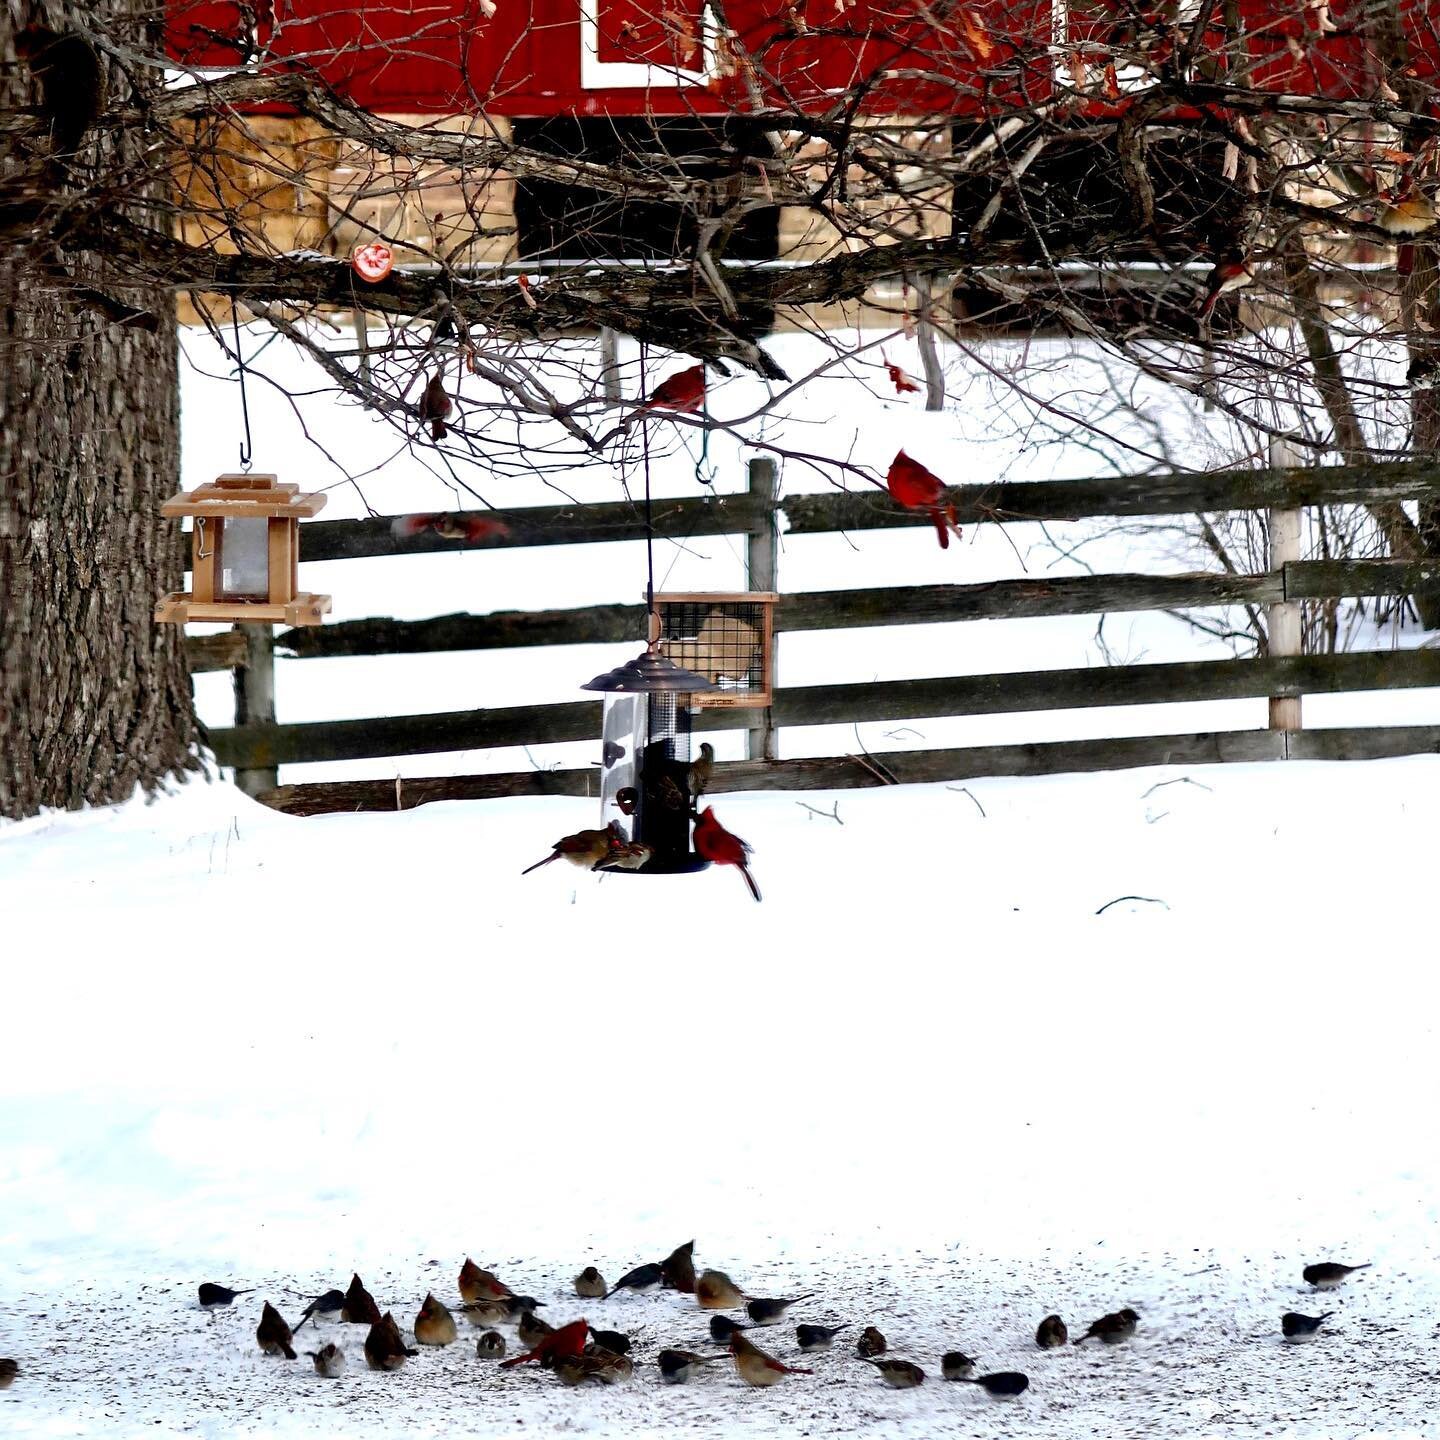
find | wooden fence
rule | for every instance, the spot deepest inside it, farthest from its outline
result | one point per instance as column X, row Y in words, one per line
column 257, row 744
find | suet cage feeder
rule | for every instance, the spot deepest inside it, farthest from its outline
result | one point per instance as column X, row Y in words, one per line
column 245, row 553
column 727, row 638
column 645, row 758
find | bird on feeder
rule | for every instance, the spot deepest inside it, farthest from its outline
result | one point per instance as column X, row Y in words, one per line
column 701, row 771
column 627, row 855
column 713, row 842
column 585, row 848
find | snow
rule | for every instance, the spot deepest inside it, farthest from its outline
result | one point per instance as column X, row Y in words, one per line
column 925, row 1079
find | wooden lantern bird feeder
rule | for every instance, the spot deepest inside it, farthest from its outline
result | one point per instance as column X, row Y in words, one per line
column 729, row 639
column 245, row 553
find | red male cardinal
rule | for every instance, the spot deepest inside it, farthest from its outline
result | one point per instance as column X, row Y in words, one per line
column 917, row 488
column 567, row 1341
column 435, row 405
column 1231, row 273
column 450, row 526
column 684, row 393
column 715, row 843
column 899, row 379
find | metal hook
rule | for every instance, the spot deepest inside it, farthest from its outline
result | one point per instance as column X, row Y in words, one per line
column 247, row 448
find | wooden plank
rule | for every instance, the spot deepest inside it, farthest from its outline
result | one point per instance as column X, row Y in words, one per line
column 1122, row 495
column 845, row 704
column 1325, row 579
column 1365, row 742
column 833, row 772
column 224, row 651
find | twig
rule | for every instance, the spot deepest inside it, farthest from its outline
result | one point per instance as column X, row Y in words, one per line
column 963, row 790
column 1146, row 899
column 1179, row 780
column 823, row 814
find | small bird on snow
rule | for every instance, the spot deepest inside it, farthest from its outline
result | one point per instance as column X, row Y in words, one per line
column 677, row 1269
column 434, row 1325
column 9, row 1369
column 715, row 1290
column 332, row 1302
column 328, row 1361
column 219, row 1297
column 490, row 1345
column 360, row 1307
column 956, row 1365
column 811, row 1338
column 677, row 1367
column 273, row 1334
column 902, row 1374
column 771, row 1312
column 590, row 1284
column 1051, row 1332
column 640, row 1279
column 722, row 1327
column 870, row 1344
column 1297, row 1328
column 755, row 1367
column 1112, row 1329
column 1003, row 1385
column 1327, row 1275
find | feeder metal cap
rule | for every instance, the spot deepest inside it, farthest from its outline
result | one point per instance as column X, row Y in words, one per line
column 647, row 674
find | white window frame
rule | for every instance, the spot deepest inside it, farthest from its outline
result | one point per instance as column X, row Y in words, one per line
column 598, row 74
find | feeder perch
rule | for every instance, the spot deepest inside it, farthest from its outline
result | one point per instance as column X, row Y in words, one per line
column 729, row 639
column 645, row 758
column 245, row 553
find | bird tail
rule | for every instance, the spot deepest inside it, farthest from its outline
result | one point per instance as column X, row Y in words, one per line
column 1329, row 1313
column 437, row 429
column 1365, row 1266
column 793, row 1370
column 1081, row 1340
column 1211, row 300
column 289, row 1351
column 539, row 863
column 303, row 1319
column 750, row 881
column 941, row 529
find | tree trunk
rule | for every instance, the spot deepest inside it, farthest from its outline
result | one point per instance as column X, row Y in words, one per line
column 94, row 696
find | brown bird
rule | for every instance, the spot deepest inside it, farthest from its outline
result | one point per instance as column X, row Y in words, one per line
column 870, row 1344
column 585, row 848
column 328, row 1361
column 601, row 1365
column 9, row 1369
column 476, row 1284
column 385, row 1348
column 490, row 1345
column 360, row 1307
column 531, row 1329
column 715, row 1290
column 901, row 1374
column 771, row 1312
column 434, row 1325
column 71, row 80
column 626, row 855
column 677, row 1269
column 1051, row 1332
column 701, row 770
column 755, row 1367
column 1407, row 212
column 435, row 406
column 1112, row 1329
column 590, row 1284
column 1327, row 1275
column 1231, row 273
column 273, row 1333
column 956, row 1365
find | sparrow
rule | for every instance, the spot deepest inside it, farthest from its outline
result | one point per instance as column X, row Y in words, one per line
column 219, row 1297
column 1003, row 1385
column 916, row 488
column 449, row 526
column 273, row 1334
column 902, row 1374
column 626, row 855
column 677, row 1269
column 1327, row 1275
column 771, row 1312
column 715, row 843
column 722, row 1327
column 1406, row 212
column 434, row 1325
column 640, row 1279
column 490, row 1345
column 677, row 1367
column 564, row 1343
column 1051, row 1332
column 682, row 393
column 870, row 1344
column 755, row 1367
column 701, row 770
column 956, row 1365
column 385, row 1348
column 600, row 1365
column 488, row 1313
column 815, row 1337
column 1231, row 272
column 1297, row 1328
column 328, row 1361
column 615, row 1341
column 332, row 1302
column 585, row 848
column 715, row 1290
column 476, row 1284
column 531, row 1329
column 1112, row 1329
column 590, row 1284
column 435, row 405
column 9, row 1369
column 71, row 79
column 360, row 1307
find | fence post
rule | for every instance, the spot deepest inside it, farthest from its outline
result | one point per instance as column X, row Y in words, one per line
column 255, row 699
column 610, row 364
column 1283, row 618
column 761, row 553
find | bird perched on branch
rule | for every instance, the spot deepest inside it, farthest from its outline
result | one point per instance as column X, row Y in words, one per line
column 1407, row 212
column 713, row 842
column 677, row 1269
column 585, row 848
column 811, row 1338
column 72, row 83
column 1327, row 1275
column 677, row 1367
column 1051, row 1332
column 715, row 1290
column 1232, row 272
column 435, row 406
column 332, row 1302
column 328, row 1361
column 901, row 1374
column 771, row 1312
column 590, row 1284
column 273, row 1334
column 755, row 1367
column 434, row 1325
column 1003, row 1385
column 682, row 394
column 566, row 1342
column 360, row 1307
column 220, row 1297
column 1297, row 1328
column 641, row 1278
column 1112, row 1329
column 449, row 526
column 385, row 1347
column 916, row 488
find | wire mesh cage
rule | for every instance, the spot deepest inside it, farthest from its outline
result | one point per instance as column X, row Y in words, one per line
column 729, row 639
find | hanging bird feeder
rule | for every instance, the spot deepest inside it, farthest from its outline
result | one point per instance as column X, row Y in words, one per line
column 245, row 553
column 727, row 638
column 645, row 757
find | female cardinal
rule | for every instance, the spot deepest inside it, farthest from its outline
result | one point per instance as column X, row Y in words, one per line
column 449, row 526
column 568, row 1340
column 755, row 1367
column 273, row 1334
column 682, row 393
column 715, row 843
column 434, row 1325
column 435, row 406
column 585, row 848
column 715, row 1290
column 360, row 1307
column 1231, row 273
column 476, row 1284
column 917, row 488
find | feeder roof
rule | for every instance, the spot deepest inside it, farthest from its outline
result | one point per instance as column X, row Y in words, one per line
column 648, row 673
column 245, row 497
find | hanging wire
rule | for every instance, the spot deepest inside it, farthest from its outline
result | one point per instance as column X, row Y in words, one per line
column 247, row 448
column 649, row 522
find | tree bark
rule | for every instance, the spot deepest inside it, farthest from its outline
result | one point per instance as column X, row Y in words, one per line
column 94, row 696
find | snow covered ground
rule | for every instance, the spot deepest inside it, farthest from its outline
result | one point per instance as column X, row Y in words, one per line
column 926, row 1079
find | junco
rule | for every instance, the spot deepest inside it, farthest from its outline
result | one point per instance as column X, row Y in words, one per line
column 678, row 1366
column 219, row 1297
column 771, row 1312
column 1296, row 1327
column 1004, row 1385
column 956, row 1365
column 1328, row 1275
column 813, row 1337
column 615, row 1341
column 640, row 1279
column 332, row 1302
column 722, row 1327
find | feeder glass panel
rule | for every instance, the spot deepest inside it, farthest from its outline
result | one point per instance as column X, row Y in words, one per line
column 621, row 739
column 245, row 560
